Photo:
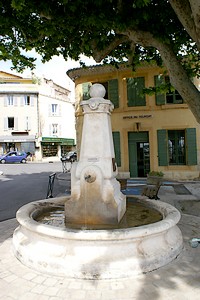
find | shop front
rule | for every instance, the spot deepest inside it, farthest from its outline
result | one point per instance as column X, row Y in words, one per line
column 19, row 142
column 56, row 147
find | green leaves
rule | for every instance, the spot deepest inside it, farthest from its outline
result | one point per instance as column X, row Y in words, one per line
column 74, row 27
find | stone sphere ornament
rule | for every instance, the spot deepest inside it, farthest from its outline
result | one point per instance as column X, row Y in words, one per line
column 97, row 90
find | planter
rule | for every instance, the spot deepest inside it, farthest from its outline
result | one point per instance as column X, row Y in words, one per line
column 156, row 180
column 123, row 183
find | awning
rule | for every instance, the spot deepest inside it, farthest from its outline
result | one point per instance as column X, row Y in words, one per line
column 62, row 141
column 17, row 138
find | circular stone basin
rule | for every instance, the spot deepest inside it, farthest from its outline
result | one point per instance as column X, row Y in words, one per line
column 137, row 214
column 96, row 254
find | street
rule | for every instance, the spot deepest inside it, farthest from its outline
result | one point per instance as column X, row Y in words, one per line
column 23, row 183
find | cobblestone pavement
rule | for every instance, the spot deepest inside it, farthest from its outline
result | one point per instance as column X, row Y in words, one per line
column 179, row 280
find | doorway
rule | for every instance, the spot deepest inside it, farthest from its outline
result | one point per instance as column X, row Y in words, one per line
column 139, row 154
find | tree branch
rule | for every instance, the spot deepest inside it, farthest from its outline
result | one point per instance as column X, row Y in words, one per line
column 98, row 55
column 195, row 7
column 177, row 74
column 186, row 13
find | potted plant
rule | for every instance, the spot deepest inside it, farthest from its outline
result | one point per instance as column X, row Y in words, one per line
column 155, row 177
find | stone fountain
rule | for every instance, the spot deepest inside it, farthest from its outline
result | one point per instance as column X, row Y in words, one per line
column 96, row 197
column 92, row 246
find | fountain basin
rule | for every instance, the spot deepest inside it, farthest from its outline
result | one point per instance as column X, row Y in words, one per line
column 96, row 254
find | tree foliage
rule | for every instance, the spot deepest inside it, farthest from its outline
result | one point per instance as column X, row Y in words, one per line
column 112, row 31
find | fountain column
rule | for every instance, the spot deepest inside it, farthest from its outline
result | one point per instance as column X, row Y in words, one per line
column 95, row 193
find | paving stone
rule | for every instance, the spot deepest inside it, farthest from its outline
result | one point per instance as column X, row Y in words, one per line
column 10, row 278
column 179, row 280
column 51, row 291
column 50, row 281
column 39, row 289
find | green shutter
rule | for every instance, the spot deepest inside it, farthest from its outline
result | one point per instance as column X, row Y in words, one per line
column 162, row 147
column 160, row 98
column 135, row 95
column 116, row 142
column 191, row 146
column 86, row 87
column 113, row 93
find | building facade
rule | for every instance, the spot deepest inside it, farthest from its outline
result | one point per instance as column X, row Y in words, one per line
column 37, row 116
column 156, row 132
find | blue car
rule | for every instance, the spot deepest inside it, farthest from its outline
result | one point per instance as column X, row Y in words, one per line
column 13, row 157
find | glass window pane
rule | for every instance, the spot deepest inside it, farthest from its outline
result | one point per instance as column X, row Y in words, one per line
column 176, row 147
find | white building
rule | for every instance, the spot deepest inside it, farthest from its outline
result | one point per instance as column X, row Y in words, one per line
column 36, row 116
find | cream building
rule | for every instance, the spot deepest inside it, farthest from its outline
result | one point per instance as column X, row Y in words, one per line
column 154, row 132
column 37, row 116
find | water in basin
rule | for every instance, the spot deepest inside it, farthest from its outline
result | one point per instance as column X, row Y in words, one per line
column 137, row 214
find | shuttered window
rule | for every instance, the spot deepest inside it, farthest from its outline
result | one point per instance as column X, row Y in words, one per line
column 160, row 98
column 135, row 95
column 162, row 147
column 177, row 147
column 116, row 142
column 191, row 145
column 85, row 89
column 171, row 97
column 113, row 93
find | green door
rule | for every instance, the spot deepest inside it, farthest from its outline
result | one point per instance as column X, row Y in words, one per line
column 139, row 160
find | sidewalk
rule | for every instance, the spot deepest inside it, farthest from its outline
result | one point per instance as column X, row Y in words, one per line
column 179, row 280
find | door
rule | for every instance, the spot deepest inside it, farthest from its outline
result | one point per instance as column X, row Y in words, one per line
column 139, row 158
column 143, row 161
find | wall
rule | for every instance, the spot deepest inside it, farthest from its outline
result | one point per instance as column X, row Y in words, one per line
column 151, row 117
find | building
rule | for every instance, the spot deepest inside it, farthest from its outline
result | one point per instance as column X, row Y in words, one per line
column 155, row 132
column 37, row 116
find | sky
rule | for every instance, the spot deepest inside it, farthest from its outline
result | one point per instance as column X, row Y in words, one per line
column 55, row 69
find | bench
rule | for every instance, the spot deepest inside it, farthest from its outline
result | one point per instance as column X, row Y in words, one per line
column 151, row 190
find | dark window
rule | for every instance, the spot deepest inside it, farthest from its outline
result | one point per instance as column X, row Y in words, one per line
column 170, row 97
column 10, row 122
column 112, row 92
column 105, row 84
column 111, row 87
column 176, row 147
column 27, row 100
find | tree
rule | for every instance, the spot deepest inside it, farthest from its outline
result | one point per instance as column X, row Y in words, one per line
column 111, row 31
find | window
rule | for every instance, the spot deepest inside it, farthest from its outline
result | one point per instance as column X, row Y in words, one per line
column 27, row 123
column 49, row 150
column 86, row 90
column 11, row 123
column 135, row 95
column 10, row 100
column 116, row 142
column 111, row 87
column 176, row 147
column 54, row 129
column 170, row 97
column 54, row 109
column 27, row 100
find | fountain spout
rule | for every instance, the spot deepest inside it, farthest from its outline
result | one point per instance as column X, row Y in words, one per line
column 96, row 197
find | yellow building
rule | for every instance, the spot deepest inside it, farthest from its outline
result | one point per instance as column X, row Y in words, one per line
column 155, row 132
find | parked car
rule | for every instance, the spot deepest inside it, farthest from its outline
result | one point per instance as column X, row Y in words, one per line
column 69, row 157
column 13, row 157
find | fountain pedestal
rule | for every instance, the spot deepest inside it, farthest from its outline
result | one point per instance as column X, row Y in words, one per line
column 95, row 193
